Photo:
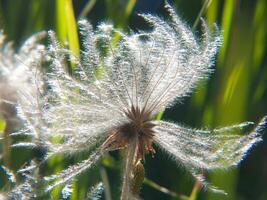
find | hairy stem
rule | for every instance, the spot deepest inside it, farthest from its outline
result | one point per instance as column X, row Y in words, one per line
column 138, row 178
column 132, row 148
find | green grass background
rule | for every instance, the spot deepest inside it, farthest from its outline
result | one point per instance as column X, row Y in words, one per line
column 236, row 92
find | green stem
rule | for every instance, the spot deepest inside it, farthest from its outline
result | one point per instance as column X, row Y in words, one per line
column 104, row 177
column 164, row 190
column 88, row 7
column 203, row 9
column 195, row 191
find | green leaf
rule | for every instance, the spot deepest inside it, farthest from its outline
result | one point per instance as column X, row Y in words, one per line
column 66, row 26
column 2, row 124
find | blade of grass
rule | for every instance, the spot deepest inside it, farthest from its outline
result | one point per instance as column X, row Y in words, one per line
column 259, row 24
column 72, row 29
column 164, row 190
column 159, row 115
column 129, row 7
column 228, row 12
column 35, row 17
column 105, row 180
column 232, row 98
column 212, row 12
column 2, row 124
column 2, row 137
column 119, row 13
column 88, row 7
column 61, row 26
column 195, row 191
column 13, row 18
column 203, row 9
column 66, row 26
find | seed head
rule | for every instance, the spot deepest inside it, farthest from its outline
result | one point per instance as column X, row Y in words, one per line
column 111, row 99
column 17, row 69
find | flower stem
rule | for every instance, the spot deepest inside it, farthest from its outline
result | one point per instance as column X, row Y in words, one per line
column 132, row 148
column 138, row 179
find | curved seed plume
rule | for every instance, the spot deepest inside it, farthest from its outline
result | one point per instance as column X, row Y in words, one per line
column 112, row 96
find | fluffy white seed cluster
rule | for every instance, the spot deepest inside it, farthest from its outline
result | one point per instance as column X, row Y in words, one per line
column 114, row 92
column 17, row 69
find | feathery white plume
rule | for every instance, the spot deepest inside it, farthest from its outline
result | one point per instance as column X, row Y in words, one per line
column 110, row 100
column 17, row 68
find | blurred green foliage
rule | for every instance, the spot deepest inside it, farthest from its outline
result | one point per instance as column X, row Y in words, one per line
column 236, row 92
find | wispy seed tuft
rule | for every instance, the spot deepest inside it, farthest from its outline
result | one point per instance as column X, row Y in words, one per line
column 110, row 100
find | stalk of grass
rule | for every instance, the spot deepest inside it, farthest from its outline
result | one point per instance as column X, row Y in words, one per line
column 129, row 8
column 205, row 6
column 195, row 191
column 199, row 98
column 67, row 33
column 2, row 124
column 164, row 190
column 66, row 26
column 259, row 24
column 234, row 84
column 228, row 12
column 119, row 13
column 2, row 136
column 212, row 12
column 88, row 7
column 105, row 180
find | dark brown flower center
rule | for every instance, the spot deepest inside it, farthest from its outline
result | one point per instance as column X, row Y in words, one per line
column 138, row 127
